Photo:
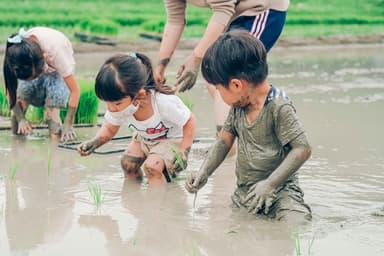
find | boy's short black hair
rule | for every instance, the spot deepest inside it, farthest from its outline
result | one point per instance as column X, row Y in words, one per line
column 236, row 54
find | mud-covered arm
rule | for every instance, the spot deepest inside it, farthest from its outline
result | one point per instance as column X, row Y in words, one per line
column 262, row 193
column 215, row 157
column 105, row 134
column 67, row 132
column 300, row 152
column 24, row 127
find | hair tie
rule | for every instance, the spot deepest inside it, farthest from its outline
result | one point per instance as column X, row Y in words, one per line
column 133, row 55
column 16, row 39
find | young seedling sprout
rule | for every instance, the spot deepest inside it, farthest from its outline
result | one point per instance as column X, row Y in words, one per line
column 180, row 162
column 96, row 193
column 187, row 102
column 13, row 170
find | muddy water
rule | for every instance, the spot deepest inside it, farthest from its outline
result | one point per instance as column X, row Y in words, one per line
column 46, row 208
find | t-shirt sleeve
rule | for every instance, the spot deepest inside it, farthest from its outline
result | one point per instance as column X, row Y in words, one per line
column 172, row 109
column 287, row 124
column 223, row 10
column 229, row 124
column 110, row 118
column 175, row 11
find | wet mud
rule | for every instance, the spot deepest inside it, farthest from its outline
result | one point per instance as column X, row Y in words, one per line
column 46, row 207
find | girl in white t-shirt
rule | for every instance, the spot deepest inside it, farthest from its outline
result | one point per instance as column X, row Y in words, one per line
column 39, row 70
column 164, row 126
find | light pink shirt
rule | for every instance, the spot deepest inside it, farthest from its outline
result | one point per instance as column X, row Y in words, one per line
column 58, row 49
column 223, row 11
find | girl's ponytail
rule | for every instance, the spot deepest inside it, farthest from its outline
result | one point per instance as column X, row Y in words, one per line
column 10, row 79
column 151, row 83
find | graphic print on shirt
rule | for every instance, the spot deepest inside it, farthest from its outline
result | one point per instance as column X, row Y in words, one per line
column 160, row 131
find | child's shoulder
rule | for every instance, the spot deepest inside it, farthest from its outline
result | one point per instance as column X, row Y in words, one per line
column 166, row 98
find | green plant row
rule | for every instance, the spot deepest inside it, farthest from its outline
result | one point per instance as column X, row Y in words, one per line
column 86, row 112
column 129, row 18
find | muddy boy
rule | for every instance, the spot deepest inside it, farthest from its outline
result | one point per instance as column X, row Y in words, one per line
column 272, row 144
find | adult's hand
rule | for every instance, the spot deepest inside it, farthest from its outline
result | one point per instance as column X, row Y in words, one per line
column 159, row 71
column 188, row 72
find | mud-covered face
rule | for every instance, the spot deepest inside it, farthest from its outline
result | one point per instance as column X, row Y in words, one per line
column 233, row 95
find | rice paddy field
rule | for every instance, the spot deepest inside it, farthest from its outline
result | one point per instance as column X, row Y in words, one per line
column 54, row 202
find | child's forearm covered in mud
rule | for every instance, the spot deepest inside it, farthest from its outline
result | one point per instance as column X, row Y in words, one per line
column 215, row 157
column 105, row 134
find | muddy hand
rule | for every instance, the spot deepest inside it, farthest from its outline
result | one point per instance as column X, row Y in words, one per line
column 188, row 72
column 87, row 147
column 195, row 182
column 261, row 196
column 159, row 71
column 67, row 133
column 24, row 127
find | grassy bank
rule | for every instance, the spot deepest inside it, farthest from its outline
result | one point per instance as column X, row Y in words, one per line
column 124, row 20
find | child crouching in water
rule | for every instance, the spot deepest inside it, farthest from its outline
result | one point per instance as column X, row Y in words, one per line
column 164, row 125
column 39, row 70
column 272, row 144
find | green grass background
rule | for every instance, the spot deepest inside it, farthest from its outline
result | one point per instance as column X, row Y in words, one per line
column 124, row 20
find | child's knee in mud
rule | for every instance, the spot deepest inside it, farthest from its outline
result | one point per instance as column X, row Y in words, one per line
column 154, row 167
column 131, row 164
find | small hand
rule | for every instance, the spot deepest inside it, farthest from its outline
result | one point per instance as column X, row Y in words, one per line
column 262, row 195
column 67, row 133
column 24, row 127
column 180, row 160
column 196, row 182
column 87, row 147
column 188, row 72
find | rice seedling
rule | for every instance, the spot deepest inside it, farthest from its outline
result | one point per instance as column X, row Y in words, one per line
column 297, row 242
column 188, row 102
column 178, row 158
column 96, row 193
column 13, row 170
column 4, row 107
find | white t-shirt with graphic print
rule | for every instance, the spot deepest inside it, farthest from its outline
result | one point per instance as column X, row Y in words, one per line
column 169, row 116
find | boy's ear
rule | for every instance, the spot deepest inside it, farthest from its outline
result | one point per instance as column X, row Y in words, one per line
column 236, row 85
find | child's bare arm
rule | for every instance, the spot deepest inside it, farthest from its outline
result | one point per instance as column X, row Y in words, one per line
column 262, row 193
column 215, row 157
column 67, row 132
column 188, row 133
column 105, row 134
